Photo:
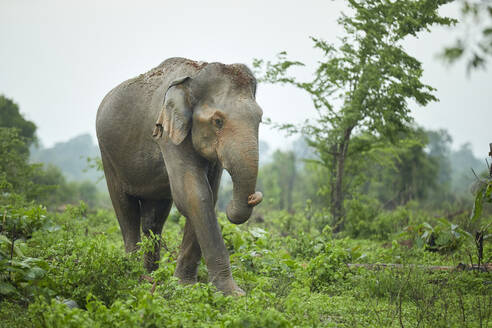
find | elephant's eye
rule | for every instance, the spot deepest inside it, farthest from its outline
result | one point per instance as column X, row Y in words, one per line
column 218, row 122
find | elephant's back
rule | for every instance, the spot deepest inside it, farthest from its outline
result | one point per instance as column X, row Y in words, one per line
column 125, row 121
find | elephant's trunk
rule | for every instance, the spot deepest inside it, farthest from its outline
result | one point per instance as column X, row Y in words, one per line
column 242, row 165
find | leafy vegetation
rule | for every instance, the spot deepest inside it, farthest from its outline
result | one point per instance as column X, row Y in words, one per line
column 81, row 277
column 475, row 46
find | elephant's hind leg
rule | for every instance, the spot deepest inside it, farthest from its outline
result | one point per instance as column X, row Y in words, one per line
column 126, row 207
column 127, row 211
column 154, row 214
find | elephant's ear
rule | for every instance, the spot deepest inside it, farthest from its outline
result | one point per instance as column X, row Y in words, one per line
column 175, row 117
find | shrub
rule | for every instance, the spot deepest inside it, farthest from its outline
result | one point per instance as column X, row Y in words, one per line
column 22, row 277
column 328, row 267
column 360, row 214
column 20, row 222
column 95, row 267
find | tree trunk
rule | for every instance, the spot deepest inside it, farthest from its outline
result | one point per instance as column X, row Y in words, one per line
column 338, row 195
column 337, row 201
column 290, row 184
column 333, row 175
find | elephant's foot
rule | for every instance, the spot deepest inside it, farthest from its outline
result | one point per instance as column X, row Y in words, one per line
column 219, row 273
column 185, row 280
column 228, row 287
column 187, row 275
column 151, row 261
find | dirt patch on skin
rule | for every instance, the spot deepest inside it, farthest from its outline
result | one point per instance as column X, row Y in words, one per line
column 155, row 73
column 170, row 65
column 198, row 65
column 240, row 75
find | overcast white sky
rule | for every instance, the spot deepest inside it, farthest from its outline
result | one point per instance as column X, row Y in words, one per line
column 58, row 58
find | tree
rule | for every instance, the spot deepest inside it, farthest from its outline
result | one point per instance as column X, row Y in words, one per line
column 15, row 173
column 10, row 117
column 404, row 171
column 363, row 85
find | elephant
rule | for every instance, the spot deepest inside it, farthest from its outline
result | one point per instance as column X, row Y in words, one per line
column 165, row 137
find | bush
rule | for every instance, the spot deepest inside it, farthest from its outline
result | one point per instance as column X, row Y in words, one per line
column 95, row 267
column 366, row 219
column 22, row 277
column 21, row 222
column 328, row 267
column 360, row 214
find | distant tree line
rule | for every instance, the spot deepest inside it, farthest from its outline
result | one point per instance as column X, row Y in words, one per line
column 21, row 180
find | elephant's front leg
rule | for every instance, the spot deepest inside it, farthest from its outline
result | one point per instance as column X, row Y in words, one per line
column 196, row 203
column 194, row 198
column 190, row 252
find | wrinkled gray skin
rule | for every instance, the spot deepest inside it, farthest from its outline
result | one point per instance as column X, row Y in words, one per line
column 165, row 136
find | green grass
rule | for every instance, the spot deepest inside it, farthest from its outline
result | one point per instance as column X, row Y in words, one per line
column 291, row 280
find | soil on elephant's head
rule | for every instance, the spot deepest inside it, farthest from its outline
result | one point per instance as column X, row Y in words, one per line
column 198, row 65
column 240, row 75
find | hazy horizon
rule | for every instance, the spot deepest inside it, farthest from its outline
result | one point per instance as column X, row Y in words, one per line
column 58, row 59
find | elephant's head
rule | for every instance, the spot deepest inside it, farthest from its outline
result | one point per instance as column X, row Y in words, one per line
column 217, row 106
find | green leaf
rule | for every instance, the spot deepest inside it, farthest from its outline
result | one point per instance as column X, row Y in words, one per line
column 477, row 205
column 257, row 232
column 425, row 235
column 444, row 221
column 6, row 288
column 35, row 273
column 17, row 251
column 427, row 225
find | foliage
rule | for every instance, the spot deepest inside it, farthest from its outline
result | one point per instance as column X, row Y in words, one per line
column 94, row 268
column 328, row 267
column 22, row 277
column 294, row 271
column 443, row 237
column 15, row 172
column 62, row 191
column 364, row 85
column 476, row 44
column 361, row 215
column 21, row 222
column 479, row 226
column 10, row 117
column 433, row 299
column 416, row 167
